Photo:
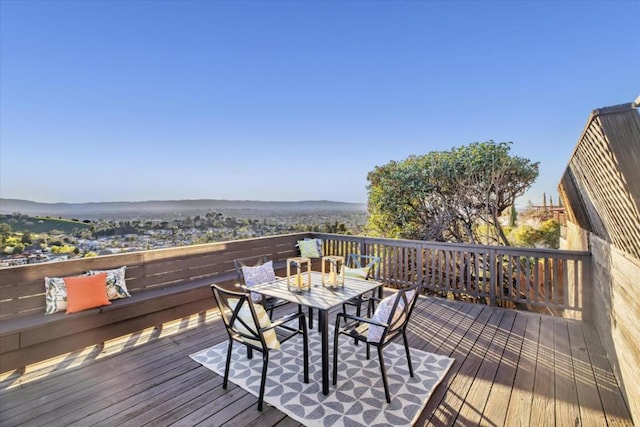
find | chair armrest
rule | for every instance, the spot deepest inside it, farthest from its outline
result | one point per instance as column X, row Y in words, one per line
column 286, row 319
column 240, row 287
column 362, row 319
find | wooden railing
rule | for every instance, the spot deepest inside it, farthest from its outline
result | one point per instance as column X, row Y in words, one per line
column 489, row 274
column 535, row 279
column 22, row 287
column 167, row 284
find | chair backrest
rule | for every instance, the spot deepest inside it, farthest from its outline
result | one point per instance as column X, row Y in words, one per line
column 403, row 305
column 239, row 317
column 247, row 262
column 371, row 263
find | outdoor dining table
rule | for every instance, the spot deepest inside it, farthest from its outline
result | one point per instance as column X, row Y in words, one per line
column 321, row 298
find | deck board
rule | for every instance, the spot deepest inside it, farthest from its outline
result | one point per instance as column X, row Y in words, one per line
column 542, row 408
column 615, row 408
column 567, row 411
column 495, row 410
column 471, row 352
column 519, row 407
column 473, row 408
column 511, row 368
column 459, row 330
column 591, row 410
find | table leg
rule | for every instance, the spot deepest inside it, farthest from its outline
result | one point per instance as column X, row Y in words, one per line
column 324, row 321
column 301, row 319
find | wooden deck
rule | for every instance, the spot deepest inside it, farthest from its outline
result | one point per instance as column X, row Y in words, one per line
column 511, row 368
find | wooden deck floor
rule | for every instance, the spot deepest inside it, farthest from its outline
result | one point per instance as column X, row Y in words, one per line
column 511, row 368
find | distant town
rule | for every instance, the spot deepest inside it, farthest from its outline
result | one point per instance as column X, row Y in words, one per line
column 33, row 232
column 27, row 239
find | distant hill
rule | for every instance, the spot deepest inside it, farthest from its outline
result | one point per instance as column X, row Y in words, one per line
column 41, row 224
column 95, row 210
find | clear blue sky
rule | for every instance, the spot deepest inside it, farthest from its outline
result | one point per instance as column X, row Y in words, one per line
column 286, row 100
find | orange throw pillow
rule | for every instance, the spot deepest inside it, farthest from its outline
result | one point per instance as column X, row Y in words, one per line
column 85, row 292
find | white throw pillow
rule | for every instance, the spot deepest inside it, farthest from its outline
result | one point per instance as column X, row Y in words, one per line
column 256, row 275
column 382, row 313
column 263, row 319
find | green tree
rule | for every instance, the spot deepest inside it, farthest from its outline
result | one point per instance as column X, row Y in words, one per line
column 526, row 236
column 513, row 217
column 335, row 227
column 444, row 195
column 27, row 238
column 544, row 235
column 550, row 234
column 14, row 245
column 5, row 232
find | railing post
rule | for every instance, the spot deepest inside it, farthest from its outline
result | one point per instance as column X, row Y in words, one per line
column 493, row 277
column 587, row 287
column 419, row 263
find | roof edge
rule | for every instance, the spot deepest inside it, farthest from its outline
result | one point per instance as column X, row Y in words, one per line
column 620, row 108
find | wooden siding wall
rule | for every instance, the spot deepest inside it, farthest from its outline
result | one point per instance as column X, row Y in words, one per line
column 601, row 185
column 22, row 287
column 615, row 314
column 601, row 192
column 535, row 279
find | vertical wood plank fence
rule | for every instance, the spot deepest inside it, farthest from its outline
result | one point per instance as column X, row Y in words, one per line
column 525, row 278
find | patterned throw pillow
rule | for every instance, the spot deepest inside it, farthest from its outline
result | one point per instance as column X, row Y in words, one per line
column 382, row 313
column 116, row 284
column 357, row 273
column 310, row 248
column 256, row 275
column 55, row 294
column 263, row 319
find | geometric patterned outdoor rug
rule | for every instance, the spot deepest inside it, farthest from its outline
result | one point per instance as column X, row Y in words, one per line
column 358, row 397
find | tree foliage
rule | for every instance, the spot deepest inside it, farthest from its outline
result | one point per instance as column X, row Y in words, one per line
column 546, row 235
column 444, row 195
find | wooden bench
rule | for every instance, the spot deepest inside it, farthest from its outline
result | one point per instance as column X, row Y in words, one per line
column 165, row 284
